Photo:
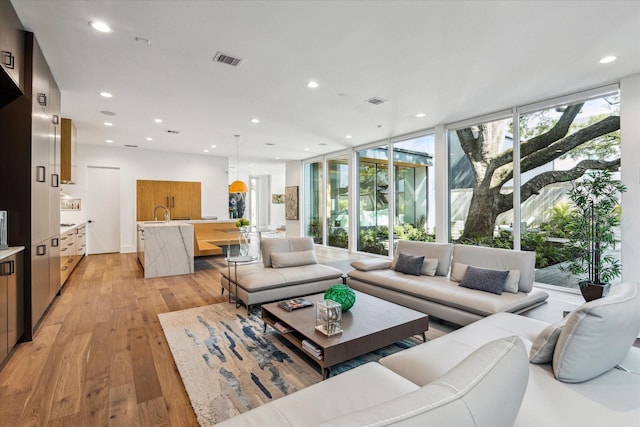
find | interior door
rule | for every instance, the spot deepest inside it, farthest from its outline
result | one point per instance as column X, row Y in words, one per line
column 103, row 210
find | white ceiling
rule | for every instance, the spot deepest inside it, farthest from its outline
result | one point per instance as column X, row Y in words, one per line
column 450, row 60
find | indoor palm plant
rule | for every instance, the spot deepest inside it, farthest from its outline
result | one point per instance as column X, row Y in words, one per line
column 591, row 231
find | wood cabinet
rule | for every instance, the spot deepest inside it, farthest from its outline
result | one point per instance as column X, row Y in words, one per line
column 11, row 54
column 72, row 249
column 11, row 303
column 182, row 199
column 67, row 151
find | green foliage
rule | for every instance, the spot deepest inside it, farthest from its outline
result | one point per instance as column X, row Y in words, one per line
column 339, row 238
column 242, row 222
column 595, row 199
column 560, row 220
column 315, row 230
column 371, row 242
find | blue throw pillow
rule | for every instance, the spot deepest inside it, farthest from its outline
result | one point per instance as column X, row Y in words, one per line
column 409, row 264
column 484, row 279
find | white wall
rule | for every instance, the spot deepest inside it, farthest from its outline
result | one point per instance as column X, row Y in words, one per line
column 277, row 210
column 137, row 164
column 293, row 177
column 630, row 148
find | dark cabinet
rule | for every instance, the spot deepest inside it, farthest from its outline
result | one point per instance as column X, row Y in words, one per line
column 11, row 303
column 11, row 54
column 30, row 126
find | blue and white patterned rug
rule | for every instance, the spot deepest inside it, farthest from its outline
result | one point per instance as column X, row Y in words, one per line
column 229, row 365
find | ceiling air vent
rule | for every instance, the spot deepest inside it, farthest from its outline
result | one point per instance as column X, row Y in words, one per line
column 227, row 59
column 130, row 146
column 375, row 101
column 175, row 132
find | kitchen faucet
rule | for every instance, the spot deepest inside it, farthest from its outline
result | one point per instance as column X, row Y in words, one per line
column 166, row 213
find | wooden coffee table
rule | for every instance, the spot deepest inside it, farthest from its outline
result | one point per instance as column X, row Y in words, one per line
column 372, row 323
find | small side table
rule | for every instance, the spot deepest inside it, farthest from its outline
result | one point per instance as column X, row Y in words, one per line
column 236, row 260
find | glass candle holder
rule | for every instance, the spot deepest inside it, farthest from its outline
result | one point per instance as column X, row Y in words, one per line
column 329, row 317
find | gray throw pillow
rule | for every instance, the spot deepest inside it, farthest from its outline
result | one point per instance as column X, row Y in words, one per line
column 409, row 264
column 545, row 343
column 484, row 279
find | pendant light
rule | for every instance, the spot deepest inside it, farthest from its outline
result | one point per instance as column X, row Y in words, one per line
column 238, row 186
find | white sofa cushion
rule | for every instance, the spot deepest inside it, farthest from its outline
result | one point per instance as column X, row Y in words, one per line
column 367, row 385
column 598, row 335
column 293, row 259
column 289, row 244
column 545, row 343
column 440, row 251
column 371, row 264
column 466, row 395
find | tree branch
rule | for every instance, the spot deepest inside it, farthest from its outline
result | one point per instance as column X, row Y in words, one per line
column 562, row 146
column 558, row 131
column 535, row 184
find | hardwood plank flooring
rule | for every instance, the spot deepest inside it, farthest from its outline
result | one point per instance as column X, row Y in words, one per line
column 99, row 356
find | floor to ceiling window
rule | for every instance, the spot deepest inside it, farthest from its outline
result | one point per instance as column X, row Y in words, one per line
column 373, row 200
column 414, row 217
column 480, row 180
column 338, row 201
column 560, row 145
column 313, row 193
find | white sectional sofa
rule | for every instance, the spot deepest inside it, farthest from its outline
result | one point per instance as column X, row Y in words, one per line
column 438, row 293
column 588, row 374
column 289, row 269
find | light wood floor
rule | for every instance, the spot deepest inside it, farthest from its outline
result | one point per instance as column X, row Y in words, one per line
column 99, row 356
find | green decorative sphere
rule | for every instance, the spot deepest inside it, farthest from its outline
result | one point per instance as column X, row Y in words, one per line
column 342, row 294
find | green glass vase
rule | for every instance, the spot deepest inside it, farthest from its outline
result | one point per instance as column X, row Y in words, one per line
column 342, row 294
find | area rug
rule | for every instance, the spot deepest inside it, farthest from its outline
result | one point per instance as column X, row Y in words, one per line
column 229, row 365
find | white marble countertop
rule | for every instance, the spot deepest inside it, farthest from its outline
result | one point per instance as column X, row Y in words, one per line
column 12, row 250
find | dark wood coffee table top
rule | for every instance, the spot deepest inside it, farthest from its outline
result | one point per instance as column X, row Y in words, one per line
column 372, row 323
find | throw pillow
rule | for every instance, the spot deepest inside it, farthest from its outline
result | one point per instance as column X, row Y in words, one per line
column 429, row 267
column 598, row 335
column 511, row 285
column 545, row 343
column 371, row 264
column 484, row 279
column 409, row 264
column 292, row 259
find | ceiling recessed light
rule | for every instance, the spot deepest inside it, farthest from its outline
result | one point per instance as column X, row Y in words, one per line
column 255, row 120
column 108, row 124
column 205, row 150
column 421, row 115
column 109, row 141
column 100, row 26
column 348, row 136
column 306, row 149
column 277, row 158
column 312, row 84
column 149, row 138
column 608, row 59
column 213, row 146
column 106, row 94
column 157, row 120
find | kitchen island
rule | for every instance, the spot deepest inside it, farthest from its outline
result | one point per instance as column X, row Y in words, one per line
column 165, row 248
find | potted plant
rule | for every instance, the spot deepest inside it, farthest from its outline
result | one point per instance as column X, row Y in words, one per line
column 242, row 224
column 595, row 213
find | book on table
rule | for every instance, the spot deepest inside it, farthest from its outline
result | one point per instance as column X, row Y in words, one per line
column 294, row 304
